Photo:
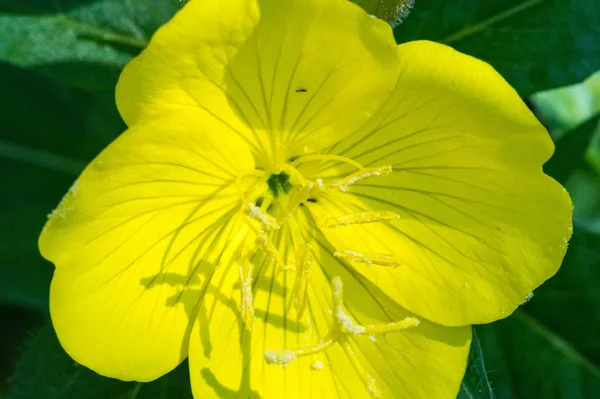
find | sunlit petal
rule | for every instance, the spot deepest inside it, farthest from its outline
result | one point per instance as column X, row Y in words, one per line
column 278, row 76
column 228, row 360
column 479, row 225
column 136, row 240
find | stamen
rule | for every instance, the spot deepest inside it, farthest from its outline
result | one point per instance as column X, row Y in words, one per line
column 361, row 218
column 262, row 240
column 361, row 175
column 245, row 269
column 267, row 220
column 319, row 157
column 302, row 277
column 369, row 259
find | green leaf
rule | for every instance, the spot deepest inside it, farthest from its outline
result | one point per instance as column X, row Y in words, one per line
column 564, row 108
column 46, row 371
column 17, row 324
column 392, row 11
column 82, row 43
column 475, row 384
column 592, row 153
column 584, row 188
column 568, row 303
column 550, row 347
column 529, row 360
column 534, row 44
column 49, row 133
column 570, row 151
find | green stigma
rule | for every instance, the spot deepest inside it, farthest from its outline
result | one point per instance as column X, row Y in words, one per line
column 279, row 184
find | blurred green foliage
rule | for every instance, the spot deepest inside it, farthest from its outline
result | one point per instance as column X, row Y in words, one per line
column 66, row 379
column 82, row 43
column 59, row 62
column 535, row 44
column 565, row 108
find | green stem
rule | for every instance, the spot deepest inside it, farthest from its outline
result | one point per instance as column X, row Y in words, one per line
column 470, row 30
column 136, row 390
column 40, row 158
column 104, row 35
column 557, row 342
column 93, row 31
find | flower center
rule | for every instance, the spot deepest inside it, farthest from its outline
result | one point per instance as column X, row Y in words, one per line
column 270, row 200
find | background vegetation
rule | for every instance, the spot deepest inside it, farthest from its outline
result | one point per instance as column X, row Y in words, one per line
column 59, row 62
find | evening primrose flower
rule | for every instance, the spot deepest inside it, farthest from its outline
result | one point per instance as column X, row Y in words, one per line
column 303, row 208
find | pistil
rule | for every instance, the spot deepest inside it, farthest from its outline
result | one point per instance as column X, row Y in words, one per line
column 343, row 328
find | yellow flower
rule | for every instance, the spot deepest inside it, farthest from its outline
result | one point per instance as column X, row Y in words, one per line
column 303, row 208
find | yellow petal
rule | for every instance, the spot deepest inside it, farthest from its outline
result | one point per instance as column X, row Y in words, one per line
column 277, row 74
column 227, row 360
column 480, row 225
column 159, row 203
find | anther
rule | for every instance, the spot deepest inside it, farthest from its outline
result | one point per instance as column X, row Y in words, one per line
column 337, row 292
column 317, row 365
column 303, row 270
column 267, row 220
column 369, row 259
column 247, row 310
column 368, row 381
column 342, row 185
column 343, row 321
column 361, row 218
column 262, row 240
column 404, row 324
column 346, row 324
column 280, row 357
